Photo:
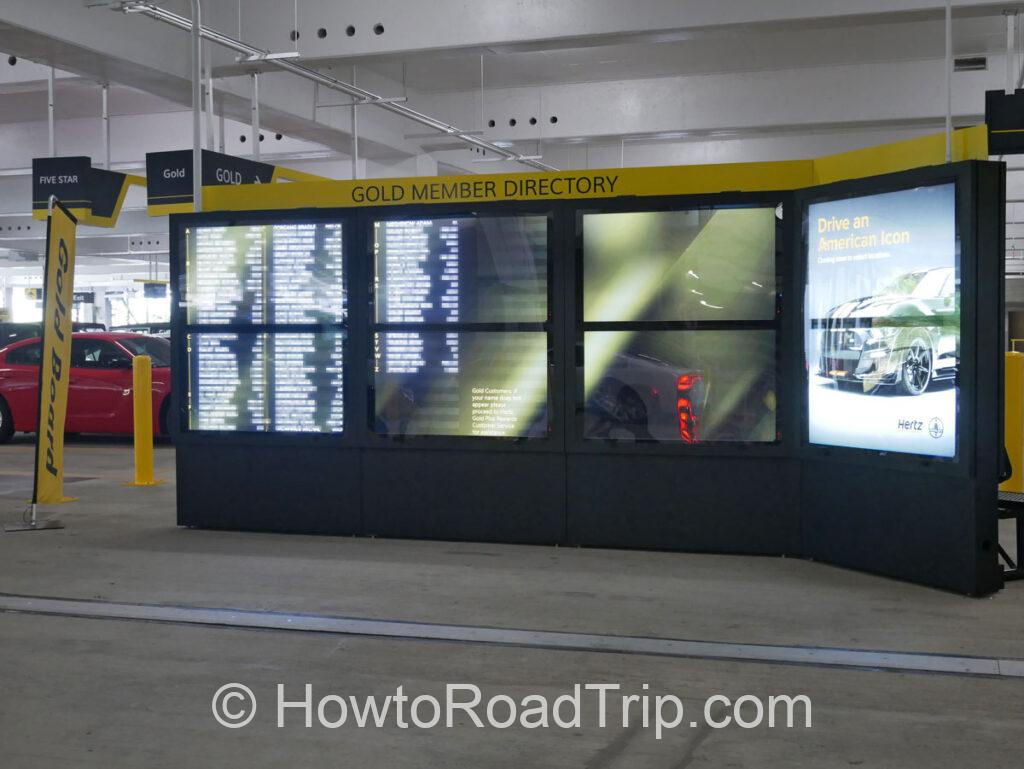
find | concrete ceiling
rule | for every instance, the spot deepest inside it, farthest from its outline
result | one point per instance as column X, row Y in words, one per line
column 721, row 51
column 76, row 97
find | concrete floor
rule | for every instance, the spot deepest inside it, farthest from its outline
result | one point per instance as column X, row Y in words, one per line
column 111, row 693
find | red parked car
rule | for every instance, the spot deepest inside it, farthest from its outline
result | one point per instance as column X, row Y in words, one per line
column 100, row 385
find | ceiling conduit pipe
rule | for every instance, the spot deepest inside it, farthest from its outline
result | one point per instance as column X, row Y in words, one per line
column 194, row 26
column 254, row 54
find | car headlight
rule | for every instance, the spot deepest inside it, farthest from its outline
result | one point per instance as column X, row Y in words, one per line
column 880, row 341
column 886, row 332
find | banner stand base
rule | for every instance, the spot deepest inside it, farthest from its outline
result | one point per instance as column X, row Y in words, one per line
column 48, row 523
column 33, row 523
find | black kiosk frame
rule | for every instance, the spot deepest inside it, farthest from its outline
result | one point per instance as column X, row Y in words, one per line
column 936, row 524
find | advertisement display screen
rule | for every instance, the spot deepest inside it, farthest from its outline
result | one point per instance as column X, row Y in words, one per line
column 883, row 321
column 461, row 270
column 281, row 382
column 471, row 383
column 680, row 386
column 273, row 273
column 699, row 264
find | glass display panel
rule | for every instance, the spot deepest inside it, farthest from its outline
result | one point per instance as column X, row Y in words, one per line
column 679, row 386
column 279, row 382
column 701, row 265
column 883, row 321
column 274, row 273
column 490, row 269
column 468, row 383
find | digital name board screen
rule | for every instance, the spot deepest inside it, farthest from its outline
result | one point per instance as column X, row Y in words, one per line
column 483, row 384
column 281, row 382
column 265, row 274
column 462, row 270
column 446, row 361
column 883, row 321
column 286, row 282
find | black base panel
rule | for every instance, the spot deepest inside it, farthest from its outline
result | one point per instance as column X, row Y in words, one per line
column 850, row 519
column 468, row 495
column 269, row 488
column 706, row 504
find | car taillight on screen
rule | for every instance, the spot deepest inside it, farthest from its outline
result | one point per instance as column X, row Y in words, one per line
column 688, row 419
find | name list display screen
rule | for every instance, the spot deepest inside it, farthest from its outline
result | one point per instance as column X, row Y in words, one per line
column 460, row 347
column 287, row 273
column 285, row 282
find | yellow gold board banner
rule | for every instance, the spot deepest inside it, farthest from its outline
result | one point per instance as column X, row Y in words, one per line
column 55, row 363
column 609, row 183
column 967, row 144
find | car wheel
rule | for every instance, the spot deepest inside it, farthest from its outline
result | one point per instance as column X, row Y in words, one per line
column 629, row 408
column 6, row 422
column 615, row 406
column 916, row 370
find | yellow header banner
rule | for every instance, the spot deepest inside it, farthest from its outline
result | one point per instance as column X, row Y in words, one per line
column 55, row 362
column 968, row 144
column 609, row 183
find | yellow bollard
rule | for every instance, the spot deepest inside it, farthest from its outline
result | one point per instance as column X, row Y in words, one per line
column 1014, row 421
column 142, row 410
